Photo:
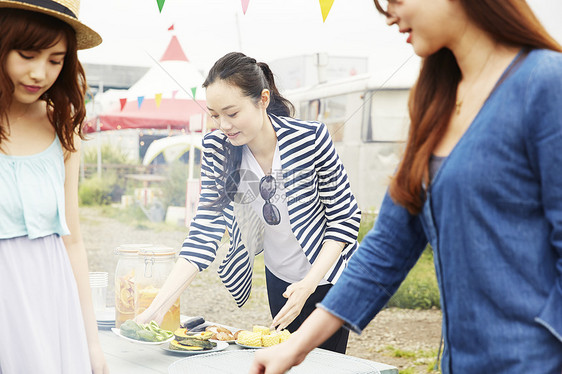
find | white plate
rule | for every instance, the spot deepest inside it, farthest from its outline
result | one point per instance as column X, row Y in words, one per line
column 220, row 346
column 118, row 333
column 106, row 326
column 106, row 315
column 247, row 346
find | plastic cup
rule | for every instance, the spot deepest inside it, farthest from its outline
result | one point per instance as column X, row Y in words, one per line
column 98, row 284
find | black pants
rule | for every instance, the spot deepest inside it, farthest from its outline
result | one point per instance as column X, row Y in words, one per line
column 275, row 289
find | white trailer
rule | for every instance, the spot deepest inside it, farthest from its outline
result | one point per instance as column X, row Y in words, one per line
column 368, row 122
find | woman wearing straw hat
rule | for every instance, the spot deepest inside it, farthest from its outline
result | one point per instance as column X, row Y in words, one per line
column 47, row 321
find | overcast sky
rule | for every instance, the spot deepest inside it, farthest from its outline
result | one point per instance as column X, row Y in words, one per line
column 134, row 31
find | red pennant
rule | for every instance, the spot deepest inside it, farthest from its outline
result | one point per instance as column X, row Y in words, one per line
column 171, row 28
column 123, row 102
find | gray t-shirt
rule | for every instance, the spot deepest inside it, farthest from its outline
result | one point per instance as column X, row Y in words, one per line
column 434, row 165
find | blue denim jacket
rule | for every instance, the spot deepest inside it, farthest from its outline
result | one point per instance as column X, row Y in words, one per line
column 493, row 216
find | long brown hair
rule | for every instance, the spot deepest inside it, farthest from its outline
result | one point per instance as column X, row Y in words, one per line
column 432, row 98
column 25, row 30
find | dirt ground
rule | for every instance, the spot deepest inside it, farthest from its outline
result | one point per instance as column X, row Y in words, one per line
column 393, row 333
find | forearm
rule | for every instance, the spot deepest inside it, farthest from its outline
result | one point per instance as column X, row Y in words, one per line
column 329, row 254
column 315, row 330
column 181, row 276
column 79, row 263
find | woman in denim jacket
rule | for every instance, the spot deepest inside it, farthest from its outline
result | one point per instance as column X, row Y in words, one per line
column 481, row 181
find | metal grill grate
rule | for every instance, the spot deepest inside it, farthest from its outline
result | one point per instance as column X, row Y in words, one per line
column 237, row 362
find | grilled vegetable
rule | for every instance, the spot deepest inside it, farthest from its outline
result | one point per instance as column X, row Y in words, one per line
column 149, row 332
column 194, row 342
column 130, row 329
column 178, row 347
column 192, row 322
column 180, row 334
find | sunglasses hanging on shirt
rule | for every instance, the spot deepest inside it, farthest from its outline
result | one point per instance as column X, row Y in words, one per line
column 268, row 188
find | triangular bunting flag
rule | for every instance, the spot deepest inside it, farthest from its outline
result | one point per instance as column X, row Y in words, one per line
column 160, row 4
column 326, row 5
column 171, row 28
column 158, row 99
column 245, row 5
column 174, row 52
column 123, row 102
column 193, row 90
column 174, row 93
column 140, row 99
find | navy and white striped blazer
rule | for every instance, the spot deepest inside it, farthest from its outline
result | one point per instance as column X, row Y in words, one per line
column 319, row 199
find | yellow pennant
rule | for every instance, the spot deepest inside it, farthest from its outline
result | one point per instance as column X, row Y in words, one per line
column 158, row 99
column 326, row 5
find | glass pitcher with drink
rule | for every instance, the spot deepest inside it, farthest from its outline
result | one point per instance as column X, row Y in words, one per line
column 154, row 265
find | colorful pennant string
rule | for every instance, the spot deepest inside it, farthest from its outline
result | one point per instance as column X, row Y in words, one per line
column 140, row 99
column 158, row 99
column 160, row 4
column 325, row 6
column 193, row 90
column 171, row 28
column 122, row 102
column 245, row 5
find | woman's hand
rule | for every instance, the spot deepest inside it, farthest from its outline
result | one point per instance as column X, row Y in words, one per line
column 148, row 315
column 180, row 277
column 97, row 360
column 297, row 294
column 318, row 327
column 276, row 360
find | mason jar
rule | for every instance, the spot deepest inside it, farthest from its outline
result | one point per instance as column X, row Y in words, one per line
column 125, row 271
column 154, row 265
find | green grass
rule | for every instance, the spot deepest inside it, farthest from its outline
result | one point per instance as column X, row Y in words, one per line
column 401, row 353
column 419, row 290
column 396, row 352
column 419, row 358
column 406, row 371
column 135, row 217
column 367, row 222
column 259, row 272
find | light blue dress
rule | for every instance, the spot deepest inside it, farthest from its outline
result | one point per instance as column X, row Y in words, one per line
column 42, row 330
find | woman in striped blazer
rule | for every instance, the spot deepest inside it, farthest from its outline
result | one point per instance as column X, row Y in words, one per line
column 276, row 185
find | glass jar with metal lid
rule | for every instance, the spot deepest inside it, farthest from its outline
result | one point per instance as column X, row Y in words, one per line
column 154, row 265
column 128, row 258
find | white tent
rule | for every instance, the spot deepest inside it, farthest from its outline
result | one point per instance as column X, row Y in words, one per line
column 172, row 147
column 173, row 75
column 161, row 99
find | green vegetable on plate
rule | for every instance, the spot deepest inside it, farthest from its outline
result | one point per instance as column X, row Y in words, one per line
column 149, row 332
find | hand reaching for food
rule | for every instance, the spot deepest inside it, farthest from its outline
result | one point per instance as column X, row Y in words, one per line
column 296, row 294
column 146, row 316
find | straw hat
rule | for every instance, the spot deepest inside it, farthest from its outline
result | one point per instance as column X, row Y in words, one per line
column 65, row 10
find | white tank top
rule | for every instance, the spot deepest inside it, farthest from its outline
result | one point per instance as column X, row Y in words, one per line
column 283, row 254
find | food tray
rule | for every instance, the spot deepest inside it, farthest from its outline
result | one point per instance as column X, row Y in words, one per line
column 239, row 361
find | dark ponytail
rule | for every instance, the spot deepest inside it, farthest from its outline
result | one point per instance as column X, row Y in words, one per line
column 278, row 105
column 252, row 78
